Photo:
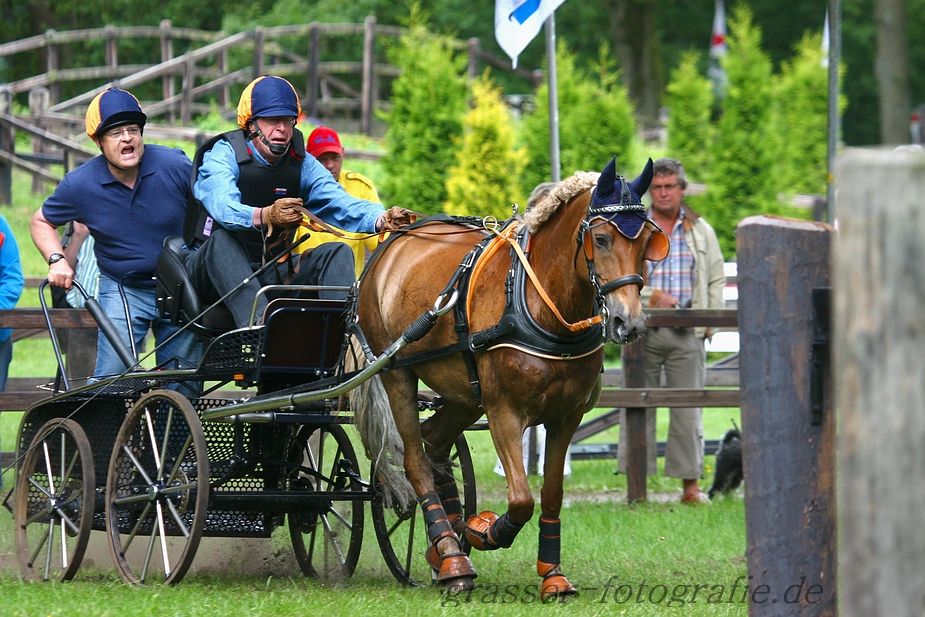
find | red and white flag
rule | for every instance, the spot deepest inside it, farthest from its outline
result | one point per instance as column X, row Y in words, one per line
column 718, row 40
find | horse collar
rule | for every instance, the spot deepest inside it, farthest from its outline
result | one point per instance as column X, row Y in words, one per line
column 518, row 329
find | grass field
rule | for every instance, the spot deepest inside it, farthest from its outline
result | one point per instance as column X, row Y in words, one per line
column 656, row 558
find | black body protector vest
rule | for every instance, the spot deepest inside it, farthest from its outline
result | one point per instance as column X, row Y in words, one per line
column 260, row 185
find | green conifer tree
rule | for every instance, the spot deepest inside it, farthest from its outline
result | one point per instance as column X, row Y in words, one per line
column 425, row 121
column 741, row 180
column 690, row 104
column 485, row 179
column 596, row 122
column 802, row 121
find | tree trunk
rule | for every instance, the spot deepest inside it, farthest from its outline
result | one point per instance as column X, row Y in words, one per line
column 892, row 70
column 636, row 44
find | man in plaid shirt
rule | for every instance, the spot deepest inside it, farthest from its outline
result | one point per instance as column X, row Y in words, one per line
column 691, row 276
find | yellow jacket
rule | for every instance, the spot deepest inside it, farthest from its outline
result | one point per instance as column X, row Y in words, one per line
column 361, row 187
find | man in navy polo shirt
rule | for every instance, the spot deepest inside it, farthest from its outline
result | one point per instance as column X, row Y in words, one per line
column 130, row 198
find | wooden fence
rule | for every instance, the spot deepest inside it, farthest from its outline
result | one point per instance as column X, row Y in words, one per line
column 23, row 392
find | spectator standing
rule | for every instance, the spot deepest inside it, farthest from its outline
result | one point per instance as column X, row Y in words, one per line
column 324, row 144
column 11, row 284
column 692, row 276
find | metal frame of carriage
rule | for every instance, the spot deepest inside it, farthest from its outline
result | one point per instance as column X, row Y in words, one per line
column 158, row 471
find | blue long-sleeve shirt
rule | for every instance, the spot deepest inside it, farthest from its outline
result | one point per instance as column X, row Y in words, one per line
column 217, row 188
column 11, row 278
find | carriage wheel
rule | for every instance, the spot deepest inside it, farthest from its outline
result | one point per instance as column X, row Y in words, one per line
column 55, row 499
column 401, row 532
column 157, row 490
column 328, row 532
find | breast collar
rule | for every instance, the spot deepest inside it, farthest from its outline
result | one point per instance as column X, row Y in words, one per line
column 519, row 330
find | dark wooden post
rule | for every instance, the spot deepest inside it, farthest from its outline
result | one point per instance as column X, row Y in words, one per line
column 314, row 58
column 879, row 341
column 260, row 36
column 368, row 89
column 224, row 93
column 167, row 81
column 112, row 52
column 633, row 435
column 186, row 101
column 473, row 70
column 788, row 448
column 52, row 66
column 39, row 101
column 8, row 145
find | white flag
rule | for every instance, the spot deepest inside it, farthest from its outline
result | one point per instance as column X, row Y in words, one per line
column 825, row 40
column 718, row 40
column 517, row 22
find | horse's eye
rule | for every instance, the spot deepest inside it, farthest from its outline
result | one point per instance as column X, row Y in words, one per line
column 602, row 241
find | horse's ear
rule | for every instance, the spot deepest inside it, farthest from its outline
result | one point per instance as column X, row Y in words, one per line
column 605, row 184
column 641, row 184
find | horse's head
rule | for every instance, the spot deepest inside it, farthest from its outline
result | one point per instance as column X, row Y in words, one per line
column 617, row 238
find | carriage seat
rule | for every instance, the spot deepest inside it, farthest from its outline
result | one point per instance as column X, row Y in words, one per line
column 177, row 299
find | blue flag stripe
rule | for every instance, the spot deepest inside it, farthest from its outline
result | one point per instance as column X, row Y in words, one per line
column 525, row 10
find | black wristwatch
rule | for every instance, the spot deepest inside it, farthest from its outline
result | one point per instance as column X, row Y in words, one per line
column 55, row 258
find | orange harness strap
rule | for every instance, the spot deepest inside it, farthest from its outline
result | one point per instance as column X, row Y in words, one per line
column 507, row 235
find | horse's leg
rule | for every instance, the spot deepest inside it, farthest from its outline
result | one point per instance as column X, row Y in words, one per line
column 488, row 531
column 548, row 558
column 439, row 434
column 455, row 571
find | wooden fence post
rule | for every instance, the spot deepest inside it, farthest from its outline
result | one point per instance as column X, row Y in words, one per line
column 52, row 65
column 368, row 91
column 788, row 452
column 633, row 433
column 879, row 271
column 473, row 70
column 312, row 79
column 7, row 144
column 112, row 53
column 260, row 36
column 167, row 81
column 186, row 101
column 39, row 101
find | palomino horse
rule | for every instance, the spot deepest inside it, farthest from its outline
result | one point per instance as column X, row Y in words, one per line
column 531, row 351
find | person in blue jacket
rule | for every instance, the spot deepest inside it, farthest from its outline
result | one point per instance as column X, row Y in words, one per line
column 256, row 184
column 11, row 284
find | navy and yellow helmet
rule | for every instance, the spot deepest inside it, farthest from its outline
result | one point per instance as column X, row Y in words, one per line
column 267, row 97
column 113, row 108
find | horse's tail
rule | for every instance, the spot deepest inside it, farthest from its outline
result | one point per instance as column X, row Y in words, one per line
column 373, row 418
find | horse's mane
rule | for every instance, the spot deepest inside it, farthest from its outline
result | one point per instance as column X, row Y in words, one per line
column 564, row 191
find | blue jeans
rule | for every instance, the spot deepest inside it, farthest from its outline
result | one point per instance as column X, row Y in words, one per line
column 141, row 302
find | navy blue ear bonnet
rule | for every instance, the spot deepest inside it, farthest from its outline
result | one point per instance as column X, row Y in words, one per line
column 619, row 201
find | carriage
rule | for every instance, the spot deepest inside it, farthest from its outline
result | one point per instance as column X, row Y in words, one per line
column 157, row 470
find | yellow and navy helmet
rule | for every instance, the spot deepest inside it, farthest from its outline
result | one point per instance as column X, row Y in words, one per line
column 112, row 108
column 268, row 97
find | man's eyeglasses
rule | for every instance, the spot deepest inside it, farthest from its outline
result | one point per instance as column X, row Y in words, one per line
column 664, row 187
column 131, row 131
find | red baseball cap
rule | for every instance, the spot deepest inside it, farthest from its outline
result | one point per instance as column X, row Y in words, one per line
column 323, row 140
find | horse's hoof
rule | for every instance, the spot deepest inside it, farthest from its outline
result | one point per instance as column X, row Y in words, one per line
column 456, row 569
column 459, row 585
column 477, row 530
column 434, row 560
column 556, row 586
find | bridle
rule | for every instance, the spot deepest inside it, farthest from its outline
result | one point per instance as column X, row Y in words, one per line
column 605, row 214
